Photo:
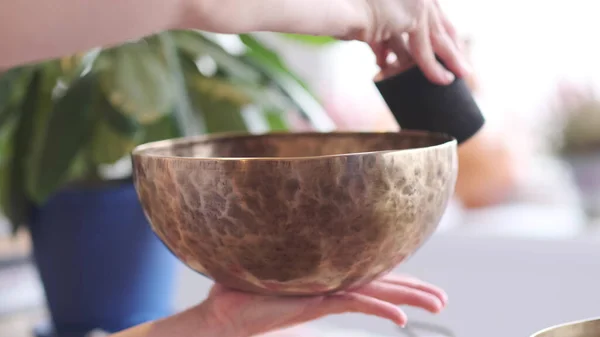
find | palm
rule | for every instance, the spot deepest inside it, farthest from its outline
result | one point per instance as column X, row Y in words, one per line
column 250, row 314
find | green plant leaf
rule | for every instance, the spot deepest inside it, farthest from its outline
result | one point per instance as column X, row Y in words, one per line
column 7, row 114
column 276, row 121
column 49, row 74
column 268, row 59
column 114, row 135
column 15, row 202
column 239, row 93
column 189, row 68
column 259, row 52
column 7, row 82
column 81, row 167
column 267, row 98
column 287, row 83
column 164, row 128
column 221, row 116
column 108, row 145
column 137, row 82
column 187, row 121
column 267, row 70
column 69, row 127
column 73, row 66
column 196, row 45
column 121, row 123
column 311, row 39
column 6, row 137
column 217, row 89
column 220, row 104
column 13, row 86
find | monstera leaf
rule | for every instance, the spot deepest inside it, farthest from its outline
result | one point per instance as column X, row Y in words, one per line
column 115, row 134
column 117, row 120
column 137, row 81
column 13, row 87
column 108, row 145
column 268, row 60
column 74, row 66
column 222, row 108
column 287, row 84
column 196, row 45
column 276, row 121
column 64, row 119
column 13, row 195
column 164, row 128
column 69, row 126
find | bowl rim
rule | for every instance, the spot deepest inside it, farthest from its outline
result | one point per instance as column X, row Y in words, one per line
column 566, row 324
column 138, row 151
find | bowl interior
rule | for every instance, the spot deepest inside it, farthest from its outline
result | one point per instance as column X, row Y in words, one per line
column 293, row 145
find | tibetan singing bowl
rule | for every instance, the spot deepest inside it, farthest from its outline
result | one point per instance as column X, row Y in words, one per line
column 296, row 213
column 585, row 328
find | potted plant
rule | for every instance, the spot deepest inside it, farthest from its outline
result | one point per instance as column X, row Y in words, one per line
column 575, row 138
column 66, row 129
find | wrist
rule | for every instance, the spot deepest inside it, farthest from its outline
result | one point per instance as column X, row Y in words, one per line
column 218, row 16
column 211, row 324
column 197, row 321
column 346, row 19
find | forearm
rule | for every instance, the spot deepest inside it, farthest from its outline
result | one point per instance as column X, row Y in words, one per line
column 195, row 322
column 32, row 30
column 313, row 17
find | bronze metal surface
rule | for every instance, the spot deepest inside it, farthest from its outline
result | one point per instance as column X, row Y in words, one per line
column 583, row 328
column 296, row 213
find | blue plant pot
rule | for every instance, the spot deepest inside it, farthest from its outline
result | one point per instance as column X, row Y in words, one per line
column 101, row 265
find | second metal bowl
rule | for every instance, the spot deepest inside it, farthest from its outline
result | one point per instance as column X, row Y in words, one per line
column 583, row 328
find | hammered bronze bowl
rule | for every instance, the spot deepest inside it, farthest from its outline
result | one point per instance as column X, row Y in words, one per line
column 296, row 213
column 584, row 328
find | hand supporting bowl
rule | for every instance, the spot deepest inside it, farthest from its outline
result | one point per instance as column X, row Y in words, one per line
column 296, row 213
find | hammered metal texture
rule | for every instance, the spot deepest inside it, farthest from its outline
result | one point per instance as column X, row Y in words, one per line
column 298, row 213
